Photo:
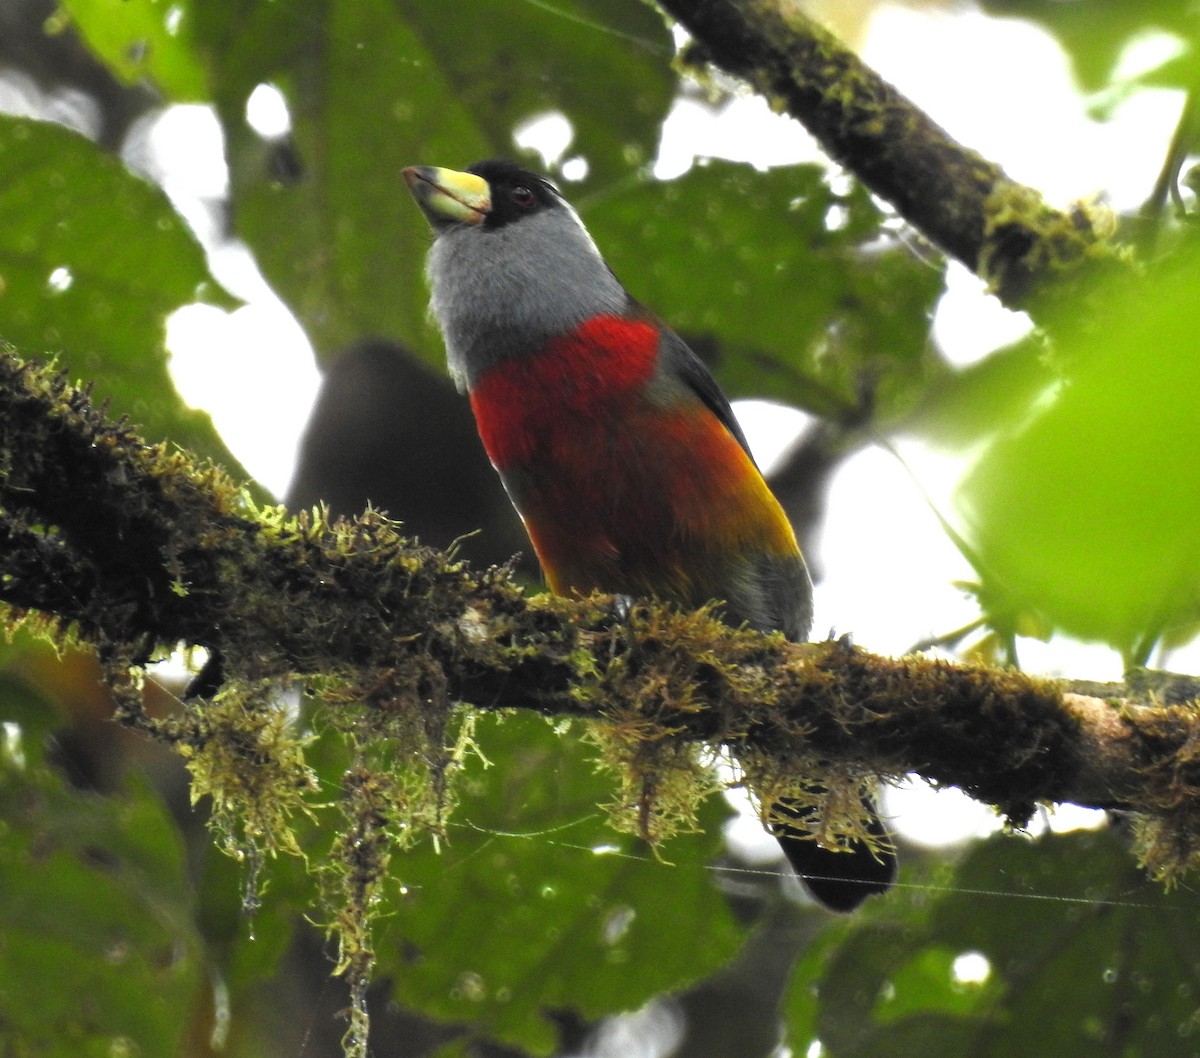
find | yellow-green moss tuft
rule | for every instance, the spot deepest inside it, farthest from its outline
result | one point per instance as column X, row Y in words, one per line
column 243, row 751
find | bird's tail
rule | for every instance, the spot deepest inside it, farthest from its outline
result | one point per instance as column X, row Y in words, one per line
column 837, row 879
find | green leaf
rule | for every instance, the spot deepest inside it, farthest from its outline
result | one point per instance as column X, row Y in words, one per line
column 92, row 261
column 376, row 85
column 974, row 403
column 771, row 267
column 537, row 904
column 143, row 40
column 1083, row 957
column 1087, row 511
column 97, row 955
column 1094, row 34
column 605, row 65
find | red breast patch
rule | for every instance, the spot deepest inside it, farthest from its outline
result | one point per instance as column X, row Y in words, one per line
column 523, row 403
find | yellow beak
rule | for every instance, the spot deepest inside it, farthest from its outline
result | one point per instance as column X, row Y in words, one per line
column 447, row 196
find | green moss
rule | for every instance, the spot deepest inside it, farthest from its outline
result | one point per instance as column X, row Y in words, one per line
column 354, row 878
column 243, row 751
column 1029, row 249
column 1167, row 830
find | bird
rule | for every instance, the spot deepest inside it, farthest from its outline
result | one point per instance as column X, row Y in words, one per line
column 613, row 440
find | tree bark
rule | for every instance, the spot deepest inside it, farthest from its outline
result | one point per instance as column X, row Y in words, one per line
column 136, row 548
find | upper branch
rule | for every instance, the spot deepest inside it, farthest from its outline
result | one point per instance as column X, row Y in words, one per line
column 959, row 200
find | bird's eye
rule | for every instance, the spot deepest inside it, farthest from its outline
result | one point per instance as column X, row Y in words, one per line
column 522, row 196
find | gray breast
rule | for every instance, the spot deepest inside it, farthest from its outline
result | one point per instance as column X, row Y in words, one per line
column 500, row 293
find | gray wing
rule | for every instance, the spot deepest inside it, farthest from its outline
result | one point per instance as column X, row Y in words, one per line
column 689, row 368
column 773, row 591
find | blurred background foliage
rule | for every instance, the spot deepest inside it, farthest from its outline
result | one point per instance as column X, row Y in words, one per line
column 121, row 930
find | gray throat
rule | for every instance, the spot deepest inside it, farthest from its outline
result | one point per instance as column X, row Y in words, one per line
column 502, row 293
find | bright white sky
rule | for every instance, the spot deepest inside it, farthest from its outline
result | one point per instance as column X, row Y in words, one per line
column 889, row 569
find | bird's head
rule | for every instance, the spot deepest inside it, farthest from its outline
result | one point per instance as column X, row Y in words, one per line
column 511, row 265
column 490, row 195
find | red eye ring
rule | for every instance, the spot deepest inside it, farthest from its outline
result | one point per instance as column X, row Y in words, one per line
column 522, row 196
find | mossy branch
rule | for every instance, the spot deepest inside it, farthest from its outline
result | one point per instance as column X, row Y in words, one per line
column 135, row 548
column 963, row 203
